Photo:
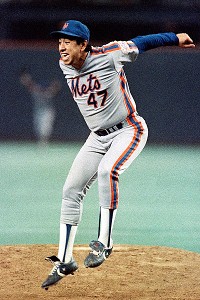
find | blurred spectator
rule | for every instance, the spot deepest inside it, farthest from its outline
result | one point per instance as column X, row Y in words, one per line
column 43, row 105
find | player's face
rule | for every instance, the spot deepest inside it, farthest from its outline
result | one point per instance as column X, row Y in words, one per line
column 72, row 53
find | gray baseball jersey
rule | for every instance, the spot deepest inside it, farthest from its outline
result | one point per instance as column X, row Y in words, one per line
column 100, row 87
column 101, row 91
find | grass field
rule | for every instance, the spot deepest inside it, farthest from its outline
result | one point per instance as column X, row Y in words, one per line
column 159, row 196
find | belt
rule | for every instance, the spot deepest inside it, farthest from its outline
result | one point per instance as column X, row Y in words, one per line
column 103, row 132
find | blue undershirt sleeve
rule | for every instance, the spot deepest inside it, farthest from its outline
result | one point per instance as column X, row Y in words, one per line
column 151, row 41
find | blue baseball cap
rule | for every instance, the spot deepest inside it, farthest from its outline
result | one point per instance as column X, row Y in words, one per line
column 73, row 28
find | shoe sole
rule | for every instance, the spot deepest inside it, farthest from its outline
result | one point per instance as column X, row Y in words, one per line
column 93, row 261
column 61, row 276
column 47, row 287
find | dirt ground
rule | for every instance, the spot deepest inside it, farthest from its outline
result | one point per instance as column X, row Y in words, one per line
column 131, row 272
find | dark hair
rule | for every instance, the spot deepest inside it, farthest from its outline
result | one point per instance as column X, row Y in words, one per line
column 80, row 40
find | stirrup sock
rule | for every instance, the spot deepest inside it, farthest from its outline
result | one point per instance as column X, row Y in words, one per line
column 106, row 222
column 66, row 243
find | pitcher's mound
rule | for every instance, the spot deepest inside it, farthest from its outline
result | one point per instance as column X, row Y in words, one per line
column 131, row 272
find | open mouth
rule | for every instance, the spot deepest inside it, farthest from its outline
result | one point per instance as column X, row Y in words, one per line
column 64, row 55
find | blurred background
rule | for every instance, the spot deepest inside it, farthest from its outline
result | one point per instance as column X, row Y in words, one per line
column 36, row 106
column 165, row 84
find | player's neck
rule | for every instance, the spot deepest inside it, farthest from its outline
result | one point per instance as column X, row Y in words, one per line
column 78, row 65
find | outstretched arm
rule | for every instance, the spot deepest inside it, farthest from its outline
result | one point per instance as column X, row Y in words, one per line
column 152, row 41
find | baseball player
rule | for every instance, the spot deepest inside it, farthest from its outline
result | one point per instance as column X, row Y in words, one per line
column 43, row 110
column 96, row 78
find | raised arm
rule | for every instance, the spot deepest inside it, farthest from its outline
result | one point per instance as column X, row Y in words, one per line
column 152, row 41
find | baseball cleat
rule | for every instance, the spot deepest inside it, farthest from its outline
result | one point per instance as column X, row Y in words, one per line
column 98, row 254
column 59, row 271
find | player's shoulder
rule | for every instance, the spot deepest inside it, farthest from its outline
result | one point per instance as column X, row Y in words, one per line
column 105, row 49
column 124, row 46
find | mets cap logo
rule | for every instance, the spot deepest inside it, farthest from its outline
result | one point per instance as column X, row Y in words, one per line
column 65, row 26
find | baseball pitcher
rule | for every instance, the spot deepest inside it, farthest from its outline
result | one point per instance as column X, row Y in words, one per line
column 96, row 78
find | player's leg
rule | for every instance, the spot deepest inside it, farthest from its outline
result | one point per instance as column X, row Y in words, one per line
column 47, row 121
column 37, row 115
column 125, row 147
column 81, row 176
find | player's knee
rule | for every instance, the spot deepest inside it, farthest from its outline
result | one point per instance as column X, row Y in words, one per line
column 70, row 191
column 104, row 171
